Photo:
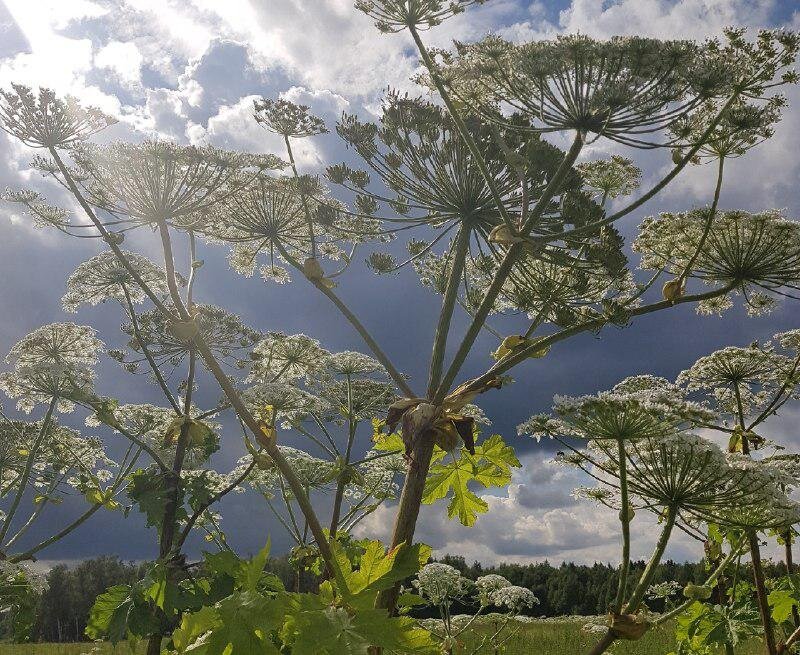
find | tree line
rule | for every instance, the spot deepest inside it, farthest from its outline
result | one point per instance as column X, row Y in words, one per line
column 584, row 590
column 63, row 608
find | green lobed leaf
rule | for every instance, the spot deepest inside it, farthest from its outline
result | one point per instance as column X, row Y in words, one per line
column 490, row 466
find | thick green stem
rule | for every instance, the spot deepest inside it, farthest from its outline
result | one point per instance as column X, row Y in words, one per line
column 169, row 265
column 172, row 490
column 309, row 219
column 761, row 592
column 789, row 559
column 344, row 473
column 655, row 559
column 625, row 521
column 736, row 551
column 505, row 267
column 381, row 356
column 458, row 255
column 277, row 456
column 408, row 509
column 28, row 554
column 509, row 362
column 504, row 270
column 709, row 222
column 602, row 645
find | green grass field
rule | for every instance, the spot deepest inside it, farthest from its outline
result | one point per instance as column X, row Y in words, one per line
column 568, row 639
column 532, row 639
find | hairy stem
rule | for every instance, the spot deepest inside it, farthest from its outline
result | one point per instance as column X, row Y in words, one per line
column 504, row 270
column 343, row 474
column 625, row 521
column 655, row 559
column 146, row 351
column 789, row 559
column 381, row 356
column 303, row 198
column 761, row 592
column 509, row 362
column 709, row 222
column 408, row 509
column 214, row 499
column 277, row 456
column 459, row 255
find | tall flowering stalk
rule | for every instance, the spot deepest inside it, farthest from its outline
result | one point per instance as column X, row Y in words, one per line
column 640, row 451
column 748, row 386
column 441, row 585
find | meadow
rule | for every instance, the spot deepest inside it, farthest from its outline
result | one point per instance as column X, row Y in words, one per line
column 540, row 638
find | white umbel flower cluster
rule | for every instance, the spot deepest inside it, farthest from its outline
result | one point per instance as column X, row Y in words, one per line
column 441, row 584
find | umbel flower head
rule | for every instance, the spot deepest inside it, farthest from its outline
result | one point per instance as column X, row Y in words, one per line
column 225, row 333
column 640, row 407
column 738, row 380
column 561, row 287
column 441, row 584
column 360, row 399
column 287, row 118
column 396, row 15
column 43, row 213
column 268, row 216
column 626, row 89
column 287, row 358
column 611, row 178
column 687, row 473
column 352, row 364
column 57, row 343
column 757, row 255
column 421, row 158
column 770, row 507
column 161, row 181
column 514, row 598
column 61, row 455
column 743, row 126
column 376, row 478
column 54, row 362
column 356, row 385
column 43, row 120
column 279, row 403
column 103, row 277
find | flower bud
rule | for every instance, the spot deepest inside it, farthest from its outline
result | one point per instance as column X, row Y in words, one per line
column 673, row 290
column 697, row 592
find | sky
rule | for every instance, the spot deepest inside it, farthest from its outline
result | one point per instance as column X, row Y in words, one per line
column 188, row 70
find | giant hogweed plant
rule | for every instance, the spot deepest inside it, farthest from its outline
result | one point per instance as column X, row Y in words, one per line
column 640, row 441
column 43, row 462
column 503, row 222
